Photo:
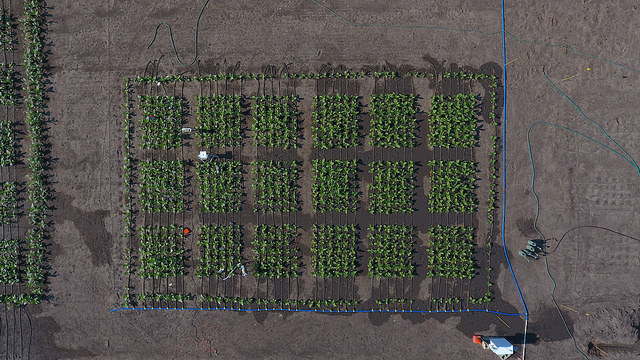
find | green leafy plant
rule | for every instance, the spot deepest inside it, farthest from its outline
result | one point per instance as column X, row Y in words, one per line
column 276, row 251
column 452, row 122
column 161, row 185
column 393, row 120
column 335, row 121
column 451, row 186
column 162, row 252
column 9, row 261
column 334, row 250
column 220, row 184
column 392, row 188
column 275, row 121
column 219, row 121
column 390, row 251
column 275, row 183
column 162, row 121
column 449, row 252
column 335, row 186
column 8, row 202
column 220, row 250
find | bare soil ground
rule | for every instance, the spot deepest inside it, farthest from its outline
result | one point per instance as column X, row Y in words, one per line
column 95, row 45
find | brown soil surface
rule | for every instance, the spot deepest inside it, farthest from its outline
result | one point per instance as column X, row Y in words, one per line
column 95, row 45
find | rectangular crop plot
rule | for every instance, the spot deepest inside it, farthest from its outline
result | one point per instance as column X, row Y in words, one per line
column 449, row 252
column 275, row 121
column 8, row 202
column 162, row 121
column 7, row 84
column 451, row 186
column 162, row 252
column 334, row 250
column 391, row 251
column 7, row 146
column 392, row 188
column 219, row 121
column 276, row 251
column 161, row 185
column 335, row 185
column 335, row 121
column 220, row 250
column 276, row 186
column 220, row 184
column 393, row 120
column 9, row 261
column 452, row 121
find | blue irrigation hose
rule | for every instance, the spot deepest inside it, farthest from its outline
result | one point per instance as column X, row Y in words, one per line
column 327, row 311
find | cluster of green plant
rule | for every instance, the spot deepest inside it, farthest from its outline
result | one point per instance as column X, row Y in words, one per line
column 386, row 74
column 390, row 251
column 32, row 25
column 162, row 252
column 452, row 122
column 312, row 304
column 219, row 121
column 393, row 301
column 335, row 186
column 449, row 252
column 481, row 300
column 8, row 202
column 161, row 185
column 7, row 84
column 220, row 184
column 493, row 179
column 7, row 148
column 393, row 120
column 220, row 250
column 334, row 250
column 335, row 121
column 170, row 297
column 326, row 75
column 276, row 251
column 392, row 188
column 451, row 186
column 276, row 186
column 445, row 301
column 20, row 299
column 7, row 32
column 275, row 121
column 162, row 121
column 9, row 261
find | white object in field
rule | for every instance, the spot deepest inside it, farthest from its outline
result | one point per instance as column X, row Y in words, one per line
column 499, row 345
column 187, row 130
column 244, row 271
column 203, row 156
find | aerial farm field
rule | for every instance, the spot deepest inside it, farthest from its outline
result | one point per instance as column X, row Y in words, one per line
column 319, row 179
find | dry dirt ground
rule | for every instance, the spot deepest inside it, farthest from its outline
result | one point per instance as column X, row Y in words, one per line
column 95, row 44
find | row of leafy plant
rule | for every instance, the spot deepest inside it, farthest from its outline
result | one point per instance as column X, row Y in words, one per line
column 276, row 251
column 162, row 185
column 162, row 252
column 391, row 251
column 219, row 121
column 220, row 250
column 8, row 202
column 334, row 250
column 335, row 121
column 452, row 122
column 275, row 183
column 128, row 175
column 275, row 121
column 450, row 252
column 33, row 24
column 451, row 185
column 290, row 303
column 335, row 186
column 9, row 261
column 220, row 184
column 393, row 120
column 161, row 122
column 392, row 188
